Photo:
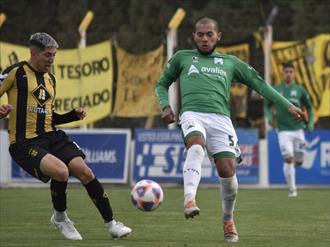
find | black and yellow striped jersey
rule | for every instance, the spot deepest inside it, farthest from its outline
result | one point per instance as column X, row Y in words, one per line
column 32, row 96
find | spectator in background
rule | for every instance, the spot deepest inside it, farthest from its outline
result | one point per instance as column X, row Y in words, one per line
column 290, row 131
column 43, row 151
column 205, row 81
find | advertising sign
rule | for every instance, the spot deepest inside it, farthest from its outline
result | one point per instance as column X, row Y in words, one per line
column 106, row 154
column 160, row 153
column 316, row 166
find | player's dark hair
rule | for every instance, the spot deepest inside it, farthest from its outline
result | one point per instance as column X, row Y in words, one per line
column 287, row 65
column 206, row 20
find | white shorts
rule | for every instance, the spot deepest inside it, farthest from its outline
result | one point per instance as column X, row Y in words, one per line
column 217, row 130
column 292, row 144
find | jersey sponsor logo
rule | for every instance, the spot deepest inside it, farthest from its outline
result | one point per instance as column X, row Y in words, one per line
column 218, row 60
column 193, row 70
column 207, row 70
column 215, row 70
column 195, row 59
column 293, row 93
column 38, row 110
column 41, row 95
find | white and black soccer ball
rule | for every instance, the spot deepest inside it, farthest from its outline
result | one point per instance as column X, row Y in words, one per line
column 147, row 195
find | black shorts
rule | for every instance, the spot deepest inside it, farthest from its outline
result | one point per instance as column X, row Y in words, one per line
column 29, row 153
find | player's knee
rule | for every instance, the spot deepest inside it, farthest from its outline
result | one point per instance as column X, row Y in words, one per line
column 227, row 169
column 227, row 172
column 62, row 174
column 289, row 160
column 86, row 175
column 197, row 150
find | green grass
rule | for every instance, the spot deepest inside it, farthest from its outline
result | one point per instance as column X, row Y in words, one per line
column 265, row 218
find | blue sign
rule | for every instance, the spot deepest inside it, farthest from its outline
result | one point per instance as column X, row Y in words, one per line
column 159, row 155
column 106, row 154
column 316, row 166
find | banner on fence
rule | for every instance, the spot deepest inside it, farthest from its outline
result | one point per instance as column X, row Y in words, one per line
column 316, row 166
column 137, row 77
column 107, row 154
column 84, row 78
column 159, row 155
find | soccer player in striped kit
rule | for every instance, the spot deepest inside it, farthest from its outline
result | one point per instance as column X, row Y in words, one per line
column 41, row 149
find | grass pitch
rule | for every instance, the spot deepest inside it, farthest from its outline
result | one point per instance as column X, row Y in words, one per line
column 264, row 218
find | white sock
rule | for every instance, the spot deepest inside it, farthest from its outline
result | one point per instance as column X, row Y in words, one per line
column 290, row 175
column 228, row 189
column 192, row 171
column 60, row 216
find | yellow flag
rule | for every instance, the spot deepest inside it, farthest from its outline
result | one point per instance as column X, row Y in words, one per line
column 137, row 77
column 84, row 79
column 311, row 59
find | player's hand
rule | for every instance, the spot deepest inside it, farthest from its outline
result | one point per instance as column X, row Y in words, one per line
column 80, row 113
column 5, row 109
column 168, row 115
column 297, row 113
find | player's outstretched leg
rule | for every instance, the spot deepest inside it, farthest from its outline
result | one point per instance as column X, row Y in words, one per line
column 191, row 178
column 100, row 198
column 60, row 218
column 228, row 189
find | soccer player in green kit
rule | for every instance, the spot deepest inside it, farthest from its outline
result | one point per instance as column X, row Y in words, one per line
column 205, row 80
column 291, row 132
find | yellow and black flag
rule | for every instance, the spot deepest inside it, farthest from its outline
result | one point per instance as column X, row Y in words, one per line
column 311, row 59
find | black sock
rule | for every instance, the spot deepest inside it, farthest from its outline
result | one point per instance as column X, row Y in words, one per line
column 100, row 198
column 58, row 193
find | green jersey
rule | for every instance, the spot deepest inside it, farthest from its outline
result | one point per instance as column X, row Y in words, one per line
column 205, row 82
column 298, row 96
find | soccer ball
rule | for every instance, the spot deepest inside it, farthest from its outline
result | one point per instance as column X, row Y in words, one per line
column 147, row 195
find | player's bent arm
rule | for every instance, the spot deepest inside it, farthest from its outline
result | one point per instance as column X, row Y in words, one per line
column 263, row 88
column 267, row 110
column 161, row 89
column 171, row 73
column 271, row 94
column 246, row 74
column 68, row 117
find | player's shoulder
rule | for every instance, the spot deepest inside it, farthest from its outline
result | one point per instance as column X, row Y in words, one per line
column 13, row 67
column 183, row 53
column 278, row 85
column 298, row 86
column 11, row 70
column 236, row 61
